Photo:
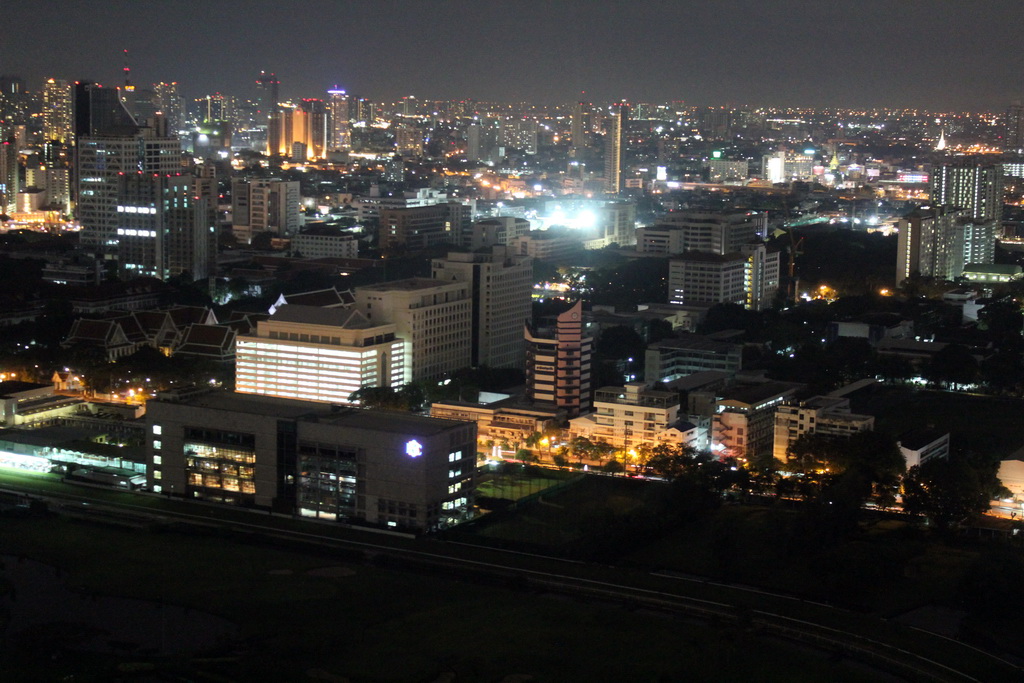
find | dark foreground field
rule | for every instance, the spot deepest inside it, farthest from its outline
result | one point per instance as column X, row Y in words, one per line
column 273, row 615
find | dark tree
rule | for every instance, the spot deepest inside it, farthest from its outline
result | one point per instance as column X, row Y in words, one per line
column 946, row 491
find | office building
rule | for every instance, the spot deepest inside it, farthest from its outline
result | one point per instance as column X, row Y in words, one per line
column 325, row 242
column 500, row 230
column 57, row 111
column 558, row 362
column 423, row 226
column 502, row 291
column 265, row 205
column 386, row 469
column 614, row 139
column 671, row 359
column 163, row 228
column 970, row 185
column 318, row 354
column 748, row 277
column 434, row 317
column 713, row 232
column 823, row 415
column 103, row 162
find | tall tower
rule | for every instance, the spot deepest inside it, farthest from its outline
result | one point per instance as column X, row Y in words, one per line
column 337, row 104
column 613, row 139
column 8, row 175
column 267, row 86
column 1015, row 127
column 57, row 111
column 168, row 101
column 580, row 131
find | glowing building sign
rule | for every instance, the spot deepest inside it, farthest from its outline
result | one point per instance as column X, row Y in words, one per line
column 413, row 448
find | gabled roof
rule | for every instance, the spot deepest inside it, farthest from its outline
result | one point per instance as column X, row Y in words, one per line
column 215, row 341
column 336, row 317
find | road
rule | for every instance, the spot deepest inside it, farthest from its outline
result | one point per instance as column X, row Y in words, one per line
column 913, row 655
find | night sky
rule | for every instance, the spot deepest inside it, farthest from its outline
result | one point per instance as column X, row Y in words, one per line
column 939, row 54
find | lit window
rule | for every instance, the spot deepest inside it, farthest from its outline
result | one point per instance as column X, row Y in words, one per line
column 157, row 460
column 157, row 429
column 157, row 474
column 157, row 444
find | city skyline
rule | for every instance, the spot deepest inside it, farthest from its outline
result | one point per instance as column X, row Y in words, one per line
column 791, row 52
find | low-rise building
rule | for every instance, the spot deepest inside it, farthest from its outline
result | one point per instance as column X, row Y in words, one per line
column 386, row 469
column 743, row 423
column 824, row 415
column 918, row 446
column 504, row 420
column 629, row 416
column 671, row 359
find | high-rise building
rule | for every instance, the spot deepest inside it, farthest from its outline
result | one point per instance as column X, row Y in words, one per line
column 748, row 277
column 365, row 111
column 971, row 185
column 1014, row 139
column 713, row 232
column 101, row 163
column 558, row 362
column 340, row 135
column 579, row 134
column 502, row 291
column 304, row 125
column 614, row 138
column 267, row 87
column 265, row 205
column 423, row 226
column 941, row 241
column 9, row 177
column 318, row 354
column 168, row 101
column 57, row 111
column 158, row 226
column 434, row 317
column 100, row 111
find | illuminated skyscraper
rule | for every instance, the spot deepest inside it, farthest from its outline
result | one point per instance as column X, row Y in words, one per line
column 613, row 139
column 168, row 101
column 57, row 111
column 1015, row 127
column 970, row 185
column 337, row 104
column 580, row 131
column 268, row 96
column 8, row 175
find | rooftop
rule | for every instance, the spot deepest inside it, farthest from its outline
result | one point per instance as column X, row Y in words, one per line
column 314, row 411
column 348, row 318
